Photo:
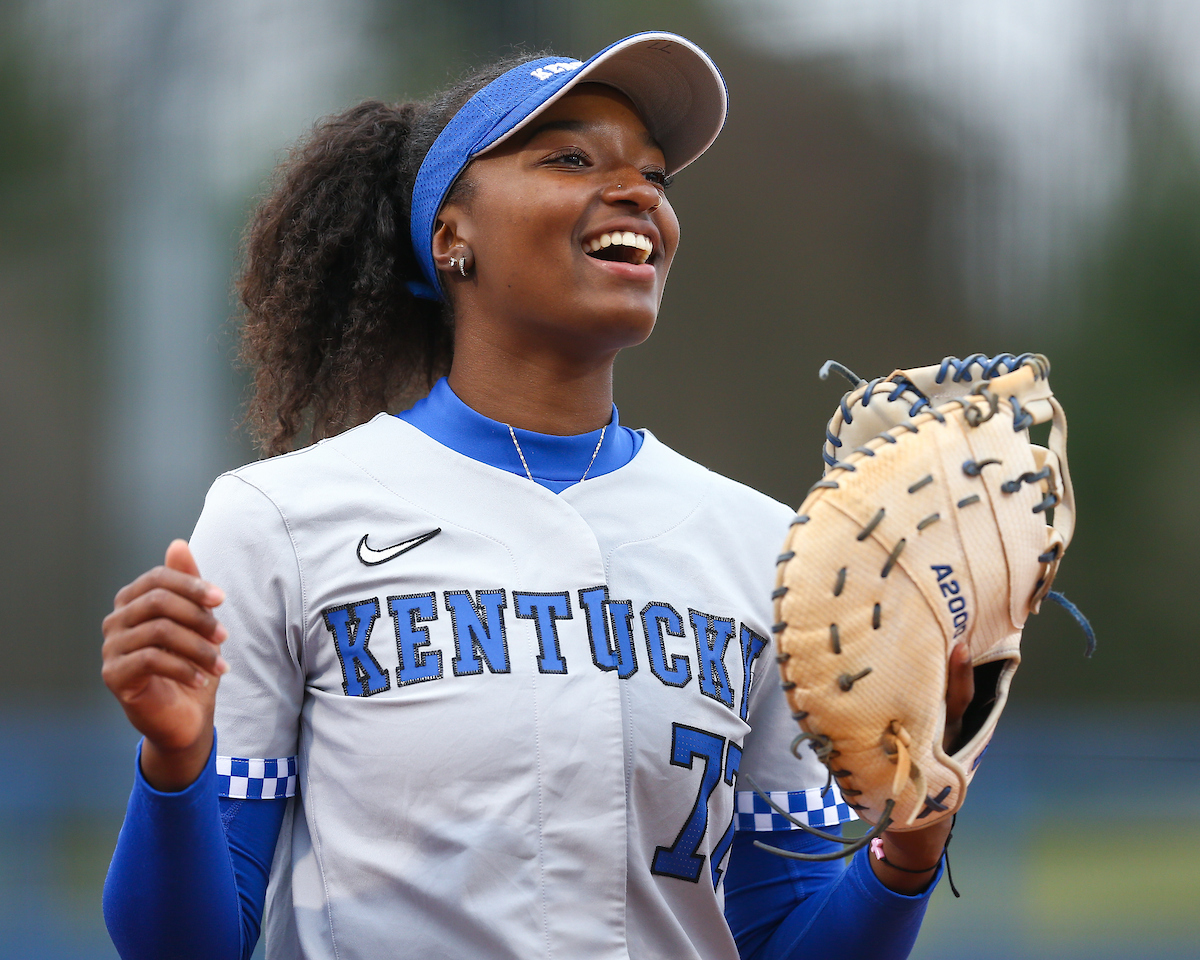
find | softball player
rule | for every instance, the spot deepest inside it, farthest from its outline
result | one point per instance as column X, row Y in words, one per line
column 493, row 666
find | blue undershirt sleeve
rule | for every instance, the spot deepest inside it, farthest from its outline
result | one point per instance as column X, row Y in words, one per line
column 780, row 909
column 188, row 878
column 251, row 831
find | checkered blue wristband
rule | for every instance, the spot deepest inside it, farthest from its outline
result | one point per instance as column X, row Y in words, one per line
column 247, row 778
column 752, row 813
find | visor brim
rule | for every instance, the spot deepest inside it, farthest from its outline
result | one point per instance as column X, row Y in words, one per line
column 674, row 85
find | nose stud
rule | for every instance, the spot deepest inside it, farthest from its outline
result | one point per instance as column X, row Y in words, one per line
column 621, row 186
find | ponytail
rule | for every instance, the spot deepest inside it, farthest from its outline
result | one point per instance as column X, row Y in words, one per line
column 331, row 332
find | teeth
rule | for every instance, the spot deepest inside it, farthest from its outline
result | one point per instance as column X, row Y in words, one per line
column 622, row 238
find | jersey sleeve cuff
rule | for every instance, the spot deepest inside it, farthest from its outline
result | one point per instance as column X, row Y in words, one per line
column 256, row 778
column 816, row 807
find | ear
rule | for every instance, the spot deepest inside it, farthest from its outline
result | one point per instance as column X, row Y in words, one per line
column 444, row 237
column 447, row 234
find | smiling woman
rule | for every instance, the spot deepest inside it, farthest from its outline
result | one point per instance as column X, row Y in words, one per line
column 461, row 712
column 540, row 306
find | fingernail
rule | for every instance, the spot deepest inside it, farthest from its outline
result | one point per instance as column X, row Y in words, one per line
column 215, row 595
column 199, row 680
column 220, row 635
column 222, row 666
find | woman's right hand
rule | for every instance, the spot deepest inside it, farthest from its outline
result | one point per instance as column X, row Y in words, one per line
column 162, row 661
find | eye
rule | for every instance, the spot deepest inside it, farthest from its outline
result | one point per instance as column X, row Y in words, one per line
column 658, row 177
column 569, row 157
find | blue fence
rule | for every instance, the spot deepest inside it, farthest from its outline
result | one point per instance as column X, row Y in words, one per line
column 1080, row 839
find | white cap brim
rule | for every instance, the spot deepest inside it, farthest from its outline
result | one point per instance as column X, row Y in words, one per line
column 674, row 85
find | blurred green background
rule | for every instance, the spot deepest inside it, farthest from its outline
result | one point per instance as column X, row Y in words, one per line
column 899, row 180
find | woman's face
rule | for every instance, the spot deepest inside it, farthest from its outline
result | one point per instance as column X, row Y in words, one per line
column 570, row 231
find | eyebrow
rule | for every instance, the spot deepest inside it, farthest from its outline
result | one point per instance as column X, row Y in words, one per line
column 571, row 126
column 576, row 126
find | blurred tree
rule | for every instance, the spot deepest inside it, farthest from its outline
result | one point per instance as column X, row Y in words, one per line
column 808, row 233
column 437, row 42
column 48, row 375
column 1126, row 374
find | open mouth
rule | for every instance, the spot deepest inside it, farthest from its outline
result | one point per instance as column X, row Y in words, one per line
column 620, row 246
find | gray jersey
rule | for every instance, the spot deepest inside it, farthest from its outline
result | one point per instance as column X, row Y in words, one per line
column 517, row 736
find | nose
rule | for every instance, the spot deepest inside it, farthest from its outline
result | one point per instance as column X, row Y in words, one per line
column 632, row 190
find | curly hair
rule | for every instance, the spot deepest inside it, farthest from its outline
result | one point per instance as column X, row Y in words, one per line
column 330, row 331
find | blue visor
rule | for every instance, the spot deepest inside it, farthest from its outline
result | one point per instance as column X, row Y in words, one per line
column 674, row 85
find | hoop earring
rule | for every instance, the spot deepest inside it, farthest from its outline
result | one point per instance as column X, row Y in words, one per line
column 460, row 262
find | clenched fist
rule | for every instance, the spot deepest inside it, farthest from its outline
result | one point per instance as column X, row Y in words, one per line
column 162, row 661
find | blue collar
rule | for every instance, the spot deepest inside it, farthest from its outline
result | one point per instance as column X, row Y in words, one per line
column 555, row 462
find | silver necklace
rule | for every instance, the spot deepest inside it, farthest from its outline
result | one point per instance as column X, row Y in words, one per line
column 513, row 433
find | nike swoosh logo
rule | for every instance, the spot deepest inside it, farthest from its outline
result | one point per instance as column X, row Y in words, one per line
column 373, row 558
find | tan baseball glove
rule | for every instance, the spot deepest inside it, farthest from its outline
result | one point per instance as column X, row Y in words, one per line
column 930, row 529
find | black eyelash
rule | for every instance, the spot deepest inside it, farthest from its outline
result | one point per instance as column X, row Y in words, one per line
column 568, row 152
column 658, row 177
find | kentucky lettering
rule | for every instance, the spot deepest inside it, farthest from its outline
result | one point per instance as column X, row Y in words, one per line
column 474, row 639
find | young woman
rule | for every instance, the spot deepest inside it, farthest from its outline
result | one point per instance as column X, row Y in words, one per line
column 488, row 670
